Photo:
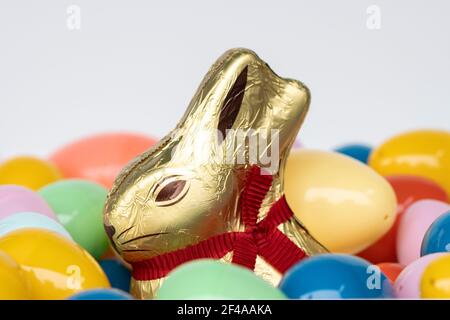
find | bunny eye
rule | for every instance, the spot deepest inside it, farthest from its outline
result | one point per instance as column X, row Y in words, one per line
column 170, row 192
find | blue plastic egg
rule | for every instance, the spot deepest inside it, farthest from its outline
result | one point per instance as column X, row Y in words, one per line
column 101, row 294
column 117, row 274
column 359, row 152
column 335, row 276
column 23, row 220
column 437, row 237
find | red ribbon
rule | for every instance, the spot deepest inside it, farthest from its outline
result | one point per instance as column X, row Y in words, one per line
column 259, row 238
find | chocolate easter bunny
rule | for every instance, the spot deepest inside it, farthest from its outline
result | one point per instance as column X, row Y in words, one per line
column 204, row 190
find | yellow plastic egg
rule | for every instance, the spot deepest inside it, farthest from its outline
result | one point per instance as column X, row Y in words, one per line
column 54, row 266
column 12, row 283
column 343, row 203
column 435, row 283
column 423, row 153
column 30, row 172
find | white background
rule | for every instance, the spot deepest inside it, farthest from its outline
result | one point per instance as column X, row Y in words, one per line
column 134, row 65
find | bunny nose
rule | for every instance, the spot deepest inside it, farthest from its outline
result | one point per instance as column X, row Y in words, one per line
column 110, row 231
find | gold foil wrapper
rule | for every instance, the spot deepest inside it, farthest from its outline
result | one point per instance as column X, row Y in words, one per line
column 187, row 187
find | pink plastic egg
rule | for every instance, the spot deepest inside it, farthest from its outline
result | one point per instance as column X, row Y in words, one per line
column 15, row 199
column 413, row 226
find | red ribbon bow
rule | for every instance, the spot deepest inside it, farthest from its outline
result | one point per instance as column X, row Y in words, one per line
column 259, row 238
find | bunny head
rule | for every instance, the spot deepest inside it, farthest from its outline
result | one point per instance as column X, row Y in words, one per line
column 187, row 187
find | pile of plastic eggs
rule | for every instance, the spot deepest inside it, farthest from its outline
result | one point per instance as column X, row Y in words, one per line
column 383, row 213
column 52, row 241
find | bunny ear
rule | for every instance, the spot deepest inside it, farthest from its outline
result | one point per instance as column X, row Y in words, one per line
column 240, row 91
column 232, row 104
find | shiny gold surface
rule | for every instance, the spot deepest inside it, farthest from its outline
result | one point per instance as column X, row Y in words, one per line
column 208, row 203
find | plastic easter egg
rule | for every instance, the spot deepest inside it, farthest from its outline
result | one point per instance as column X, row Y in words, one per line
column 391, row 270
column 423, row 153
column 435, row 282
column 14, row 199
column 102, row 294
column 53, row 266
column 407, row 284
column 437, row 237
column 31, row 220
column 12, row 283
column 343, row 203
column 212, row 279
column 359, row 152
column 100, row 158
column 413, row 226
column 78, row 204
column 335, row 276
column 408, row 190
column 119, row 276
column 30, row 172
